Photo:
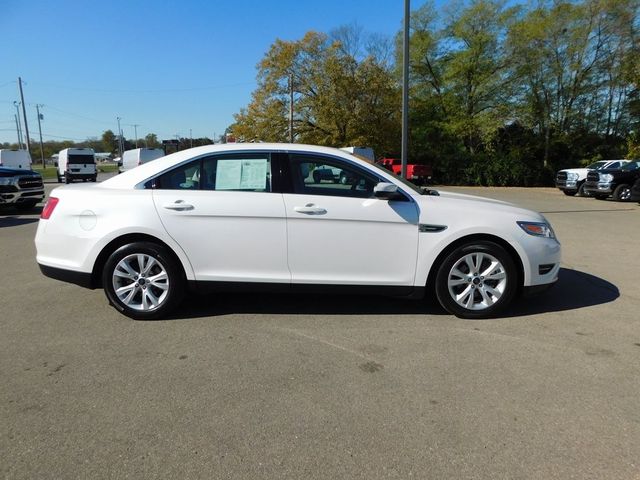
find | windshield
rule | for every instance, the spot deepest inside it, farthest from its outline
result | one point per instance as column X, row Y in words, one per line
column 630, row 166
column 83, row 158
column 596, row 165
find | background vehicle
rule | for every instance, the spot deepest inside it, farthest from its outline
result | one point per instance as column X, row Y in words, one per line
column 615, row 182
column 20, row 188
column 417, row 173
column 138, row 156
column 366, row 153
column 571, row 180
column 76, row 164
column 249, row 216
column 19, row 159
column 635, row 191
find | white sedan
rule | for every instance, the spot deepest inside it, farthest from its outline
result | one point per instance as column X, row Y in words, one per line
column 251, row 216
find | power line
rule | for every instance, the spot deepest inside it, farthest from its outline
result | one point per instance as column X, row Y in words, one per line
column 160, row 90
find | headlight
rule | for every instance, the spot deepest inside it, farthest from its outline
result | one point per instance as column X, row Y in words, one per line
column 538, row 229
column 572, row 176
column 6, row 181
column 606, row 177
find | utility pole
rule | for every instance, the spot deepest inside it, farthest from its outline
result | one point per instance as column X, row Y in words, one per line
column 17, row 105
column 191, row 137
column 18, row 132
column 405, row 89
column 40, row 132
column 135, row 129
column 291, row 108
column 24, row 114
column 119, row 138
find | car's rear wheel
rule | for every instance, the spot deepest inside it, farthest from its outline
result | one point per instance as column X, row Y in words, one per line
column 569, row 193
column 143, row 281
column 622, row 193
column 476, row 280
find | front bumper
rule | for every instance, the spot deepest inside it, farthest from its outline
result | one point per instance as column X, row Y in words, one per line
column 598, row 188
column 21, row 196
column 568, row 185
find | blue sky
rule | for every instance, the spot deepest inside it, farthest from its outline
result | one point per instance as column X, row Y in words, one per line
column 167, row 66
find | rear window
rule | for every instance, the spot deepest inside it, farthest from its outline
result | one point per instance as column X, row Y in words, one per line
column 75, row 158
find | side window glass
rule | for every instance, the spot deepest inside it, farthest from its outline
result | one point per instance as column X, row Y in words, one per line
column 614, row 165
column 328, row 176
column 250, row 172
column 184, row 177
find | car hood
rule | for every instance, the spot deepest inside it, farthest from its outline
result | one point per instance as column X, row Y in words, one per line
column 579, row 171
column 472, row 208
column 12, row 172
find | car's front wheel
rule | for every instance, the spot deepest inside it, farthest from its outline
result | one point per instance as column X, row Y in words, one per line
column 476, row 280
column 622, row 193
column 143, row 281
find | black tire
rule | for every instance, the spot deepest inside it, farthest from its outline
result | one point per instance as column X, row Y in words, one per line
column 622, row 193
column 600, row 196
column 59, row 178
column 581, row 191
column 473, row 283
column 95, row 178
column 164, row 263
column 67, row 178
column 569, row 193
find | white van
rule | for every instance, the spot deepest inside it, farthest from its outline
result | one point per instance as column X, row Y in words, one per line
column 138, row 156
column 18, row 159
column 77, row 164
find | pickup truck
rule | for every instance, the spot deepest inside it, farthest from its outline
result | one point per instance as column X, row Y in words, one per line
column 21, row 189
column 416, row 173
column 571, row 180
column 614, row 182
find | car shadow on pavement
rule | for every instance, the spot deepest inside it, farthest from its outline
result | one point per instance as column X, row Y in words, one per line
column 196, row 306
column 15, row 222
column 573, row 290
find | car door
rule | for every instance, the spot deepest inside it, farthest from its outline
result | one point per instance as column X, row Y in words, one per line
column 339, row 233
column 223, row 212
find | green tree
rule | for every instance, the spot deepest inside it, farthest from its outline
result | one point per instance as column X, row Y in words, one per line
column 109, row 141
column 151, row 141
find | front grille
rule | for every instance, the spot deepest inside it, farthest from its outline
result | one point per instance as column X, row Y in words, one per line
column 593, row 177
column 561, row 177
column 29, row 182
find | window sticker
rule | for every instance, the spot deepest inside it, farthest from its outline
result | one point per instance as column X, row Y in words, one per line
column 241, row 174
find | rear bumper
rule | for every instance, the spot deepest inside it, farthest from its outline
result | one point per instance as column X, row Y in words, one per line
column 70, row 276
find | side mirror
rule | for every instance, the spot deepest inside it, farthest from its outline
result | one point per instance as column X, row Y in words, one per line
column 386, row 191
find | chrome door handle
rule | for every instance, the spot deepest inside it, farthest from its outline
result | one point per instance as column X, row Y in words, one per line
column 179, row 206
column 310, row 209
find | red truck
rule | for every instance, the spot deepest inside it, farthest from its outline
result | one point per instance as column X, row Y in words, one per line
column 417, row 173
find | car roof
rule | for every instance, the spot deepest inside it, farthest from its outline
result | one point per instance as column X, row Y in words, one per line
column 136, row 175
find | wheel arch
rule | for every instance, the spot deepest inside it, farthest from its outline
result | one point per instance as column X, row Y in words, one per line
column 517, row 260
column 113, row 245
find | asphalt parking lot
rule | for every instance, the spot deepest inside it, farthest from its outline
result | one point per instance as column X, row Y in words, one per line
column 306, row 387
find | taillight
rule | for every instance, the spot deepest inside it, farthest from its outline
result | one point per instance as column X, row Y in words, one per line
column 48, row 208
